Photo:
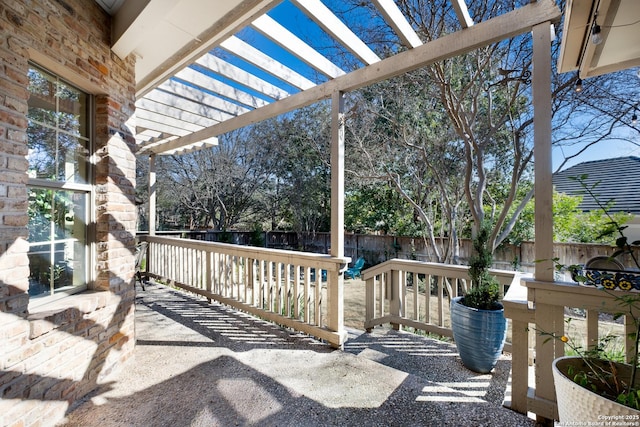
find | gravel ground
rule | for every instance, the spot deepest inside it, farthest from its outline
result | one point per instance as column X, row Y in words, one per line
column 197, row 364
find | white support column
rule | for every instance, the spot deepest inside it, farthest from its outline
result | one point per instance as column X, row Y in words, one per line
column 542, row 151
column 335, row 291
column 152, row 195
column 548, row 318
column 337, row 174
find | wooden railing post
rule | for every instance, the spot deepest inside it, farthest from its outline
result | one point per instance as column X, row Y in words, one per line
column 516, row 309
column 549, row 319
column 335, row 301
column 370, row 302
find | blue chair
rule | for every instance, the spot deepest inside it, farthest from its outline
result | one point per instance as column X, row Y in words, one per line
column 354, row 271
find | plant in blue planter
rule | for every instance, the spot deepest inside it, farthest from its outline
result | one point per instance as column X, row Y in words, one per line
column 477, row 318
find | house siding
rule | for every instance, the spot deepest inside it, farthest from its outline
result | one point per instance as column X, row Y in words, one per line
column 55, row 354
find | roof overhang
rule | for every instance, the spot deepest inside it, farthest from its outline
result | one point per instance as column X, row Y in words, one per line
column 619, row 22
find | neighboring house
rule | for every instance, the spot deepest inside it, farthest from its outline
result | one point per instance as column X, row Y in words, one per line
column 67, row 209
column 616, row 180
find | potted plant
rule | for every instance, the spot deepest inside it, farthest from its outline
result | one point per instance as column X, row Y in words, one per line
column 591, row 387
column 477, row 318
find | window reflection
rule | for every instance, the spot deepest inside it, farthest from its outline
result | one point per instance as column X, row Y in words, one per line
column 59, row 152
column 58, row 131
column 57, row 236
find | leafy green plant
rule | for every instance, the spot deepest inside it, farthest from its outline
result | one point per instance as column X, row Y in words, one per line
column 599, row 371
column 484, row 293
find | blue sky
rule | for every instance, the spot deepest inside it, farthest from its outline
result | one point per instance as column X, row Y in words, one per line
column 602, row 150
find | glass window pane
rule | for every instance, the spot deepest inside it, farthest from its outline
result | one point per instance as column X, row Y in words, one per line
column 62, row 267
column 40, row 207
column 42, row 99
column 70, row 215
column 42, row 151
column 72, row 110
column 40, row 270
column 57, row 259
column 73, row 158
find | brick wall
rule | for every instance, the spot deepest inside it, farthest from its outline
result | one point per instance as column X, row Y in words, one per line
column 53, row 355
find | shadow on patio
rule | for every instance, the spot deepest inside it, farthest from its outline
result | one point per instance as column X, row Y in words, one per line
column 197, row 364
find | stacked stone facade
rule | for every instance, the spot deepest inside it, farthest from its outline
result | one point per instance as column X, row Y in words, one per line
column 53, row 355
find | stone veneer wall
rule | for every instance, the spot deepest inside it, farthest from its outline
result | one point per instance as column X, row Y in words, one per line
column 55, row 354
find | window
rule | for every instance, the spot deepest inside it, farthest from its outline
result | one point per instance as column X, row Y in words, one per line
column 60, row 188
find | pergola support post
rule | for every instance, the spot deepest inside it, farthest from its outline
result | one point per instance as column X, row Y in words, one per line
column 544, row 271
column 152, row 195
column 335, row 284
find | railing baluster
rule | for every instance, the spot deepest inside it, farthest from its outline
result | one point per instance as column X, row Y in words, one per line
column 209, row 273
column 440, row 300
column 629, row 342
column 263, row 284
column 296, row 292
column 592, row 329
column 383, row 294
column 270, row 298
column 416, row 296
column 318, row 297
column 307, row 295
column 427, row 293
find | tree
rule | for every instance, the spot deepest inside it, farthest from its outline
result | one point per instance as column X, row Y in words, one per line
column 299, row 170
column 217, row 187
column 379, row 208
column 397, row 137
column 273, row 173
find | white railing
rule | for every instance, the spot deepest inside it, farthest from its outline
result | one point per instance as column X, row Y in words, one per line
column 302, row 291
column 418, row 294
column 538, row 311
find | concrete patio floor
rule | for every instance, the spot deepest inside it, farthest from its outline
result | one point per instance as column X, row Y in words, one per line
column 200, row 364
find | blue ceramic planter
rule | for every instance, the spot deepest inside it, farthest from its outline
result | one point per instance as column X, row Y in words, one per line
column 479, row 335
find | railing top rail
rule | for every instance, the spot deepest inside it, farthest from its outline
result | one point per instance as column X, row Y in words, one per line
column 420, row 267
column 573, row 295
column 292, row 257
column 434, row 268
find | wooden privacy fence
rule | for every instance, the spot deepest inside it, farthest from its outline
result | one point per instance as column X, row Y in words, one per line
column 418, row 294
column 379, row 248
column 302, row 291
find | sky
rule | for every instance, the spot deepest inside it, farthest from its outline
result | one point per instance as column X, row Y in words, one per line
column 603, row 150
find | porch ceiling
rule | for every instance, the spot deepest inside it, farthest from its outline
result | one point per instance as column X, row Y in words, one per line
column 204, row 68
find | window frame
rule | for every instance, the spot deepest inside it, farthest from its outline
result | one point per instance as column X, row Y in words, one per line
column 88, row 189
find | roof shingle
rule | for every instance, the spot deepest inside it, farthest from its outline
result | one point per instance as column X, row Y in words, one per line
column 618, row 181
